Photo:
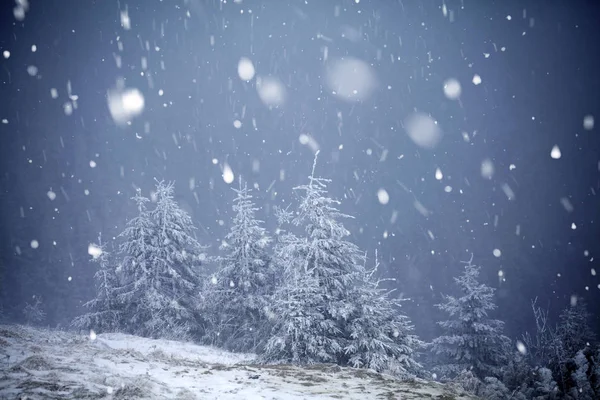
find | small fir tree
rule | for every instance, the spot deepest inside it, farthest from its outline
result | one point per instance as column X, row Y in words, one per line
column 33, row 312
column 103, row 315
column 573, row 330
column 471, row 340
column 243, row 282
column 381, row 338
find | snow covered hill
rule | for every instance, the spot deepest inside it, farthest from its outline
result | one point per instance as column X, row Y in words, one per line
column 44, row 364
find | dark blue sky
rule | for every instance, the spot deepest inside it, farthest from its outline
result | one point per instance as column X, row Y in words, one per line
column 538, row 63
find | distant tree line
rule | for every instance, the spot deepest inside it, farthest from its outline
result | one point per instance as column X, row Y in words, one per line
column 308, row 296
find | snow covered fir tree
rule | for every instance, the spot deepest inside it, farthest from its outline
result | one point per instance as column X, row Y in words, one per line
column 236, row 301
column 326, row 310
column 103, row 314
column 138, row 249
column 157, row 281
column 175, row 274
column 472, row 340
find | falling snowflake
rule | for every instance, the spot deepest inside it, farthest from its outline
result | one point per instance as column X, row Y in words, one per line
column 246, row 69
column 452, row 89
column 125, row 104
column 228, row 176
column 423, row 130
column 350, row 79
column 383, row 196
column 588, row 122
column 271, row 91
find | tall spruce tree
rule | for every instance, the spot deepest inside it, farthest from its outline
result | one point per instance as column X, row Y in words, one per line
column 175, row 270
column 103, row 315
column 325, row 310
column 160, row 279
column 243, row 282
column 139, row 251
column 323, row 265
column 471, row 340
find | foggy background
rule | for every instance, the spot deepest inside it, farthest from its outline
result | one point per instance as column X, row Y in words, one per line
column 538, row 66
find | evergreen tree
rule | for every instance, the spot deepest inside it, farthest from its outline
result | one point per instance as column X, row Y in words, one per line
column 574, row 331
column 582, row 388
column 380, row 336
column 323, row 264
column 595, row 379
column 158, row 269
column 175, row 275
column 140, row 252
column 103, row 315
column 242, row 288
column 303, row 333
column 472, row 340
column 327, row 310
column 493, row 389
column 33, row 312
column 544, row 386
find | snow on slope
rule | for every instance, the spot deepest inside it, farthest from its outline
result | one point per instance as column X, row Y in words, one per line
column 43, row 364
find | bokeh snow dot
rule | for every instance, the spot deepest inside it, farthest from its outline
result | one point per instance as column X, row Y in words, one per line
column 497, row 253
column 555, row 152
column 32, row 70
column 487, row 168
column 588, row 122
column 423, row 130
column 237, row 124
column 34, row 244
column 452, row 89
column 125, row 104
column 350, row 79
column 271, row 91
column 476, row 79
column 245, row 69
column 228, row 176
column 383, row 196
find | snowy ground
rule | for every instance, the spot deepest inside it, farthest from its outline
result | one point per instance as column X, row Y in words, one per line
column 42, row 364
